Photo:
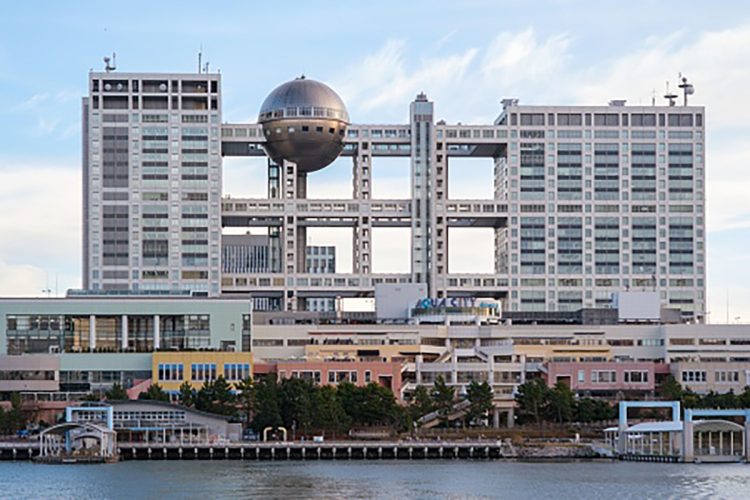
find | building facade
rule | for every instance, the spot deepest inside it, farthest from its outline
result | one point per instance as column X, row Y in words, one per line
column 171, row 369
column 588, row 200
column 90, row 343
column 152, row 182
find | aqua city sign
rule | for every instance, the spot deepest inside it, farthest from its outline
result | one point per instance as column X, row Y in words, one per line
column 458, row 302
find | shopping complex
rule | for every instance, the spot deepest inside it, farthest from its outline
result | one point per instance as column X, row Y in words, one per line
column 598, row 217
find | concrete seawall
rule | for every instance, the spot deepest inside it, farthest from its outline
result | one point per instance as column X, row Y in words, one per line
column 344, row 450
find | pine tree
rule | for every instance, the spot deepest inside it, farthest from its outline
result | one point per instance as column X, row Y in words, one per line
column 267, row 412
column 532, row 398
column 328, row 413
column 154, row 393
column 443, row 396
column 186, row 394
column 480, row 401
column 246, row 398
column 116, row 392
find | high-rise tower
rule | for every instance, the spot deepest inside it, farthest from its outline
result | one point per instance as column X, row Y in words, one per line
column 152, row 182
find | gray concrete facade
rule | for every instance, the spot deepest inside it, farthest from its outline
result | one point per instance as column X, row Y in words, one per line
column 152, row 182
column 588, row 200
column 122, row 324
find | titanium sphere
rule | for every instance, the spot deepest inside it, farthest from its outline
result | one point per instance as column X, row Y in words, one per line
column 304, row 122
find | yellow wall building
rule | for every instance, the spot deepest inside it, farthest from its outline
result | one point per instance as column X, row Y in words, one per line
column 171, row 369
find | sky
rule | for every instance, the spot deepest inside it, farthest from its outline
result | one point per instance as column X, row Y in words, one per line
column 467, row 56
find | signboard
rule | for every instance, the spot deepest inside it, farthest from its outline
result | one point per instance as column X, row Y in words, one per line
column 457, row 302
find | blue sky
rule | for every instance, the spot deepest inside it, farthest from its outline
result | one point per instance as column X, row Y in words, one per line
column 465, row 55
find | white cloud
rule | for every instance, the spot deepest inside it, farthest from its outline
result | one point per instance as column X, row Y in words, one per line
column 33, row 101
column 41, row 226
column 21, row 280
column 462, row 84
column 716, row 62
column 391, row 250
column 515, row 57
column 382, row 81
column 471, row 250
column 46, row 99
column 245, row 177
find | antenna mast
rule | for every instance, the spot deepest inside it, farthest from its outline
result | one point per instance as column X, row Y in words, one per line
column 687, row 89
column 669, row 96
column 107, row 60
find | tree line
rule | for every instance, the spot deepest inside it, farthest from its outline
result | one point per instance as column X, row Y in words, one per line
column 672, row 390
column 537, row 403
column 13, row 419
column 308, row 408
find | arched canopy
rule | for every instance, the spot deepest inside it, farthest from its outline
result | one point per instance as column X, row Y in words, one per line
column 62, row 428
column 717, row 426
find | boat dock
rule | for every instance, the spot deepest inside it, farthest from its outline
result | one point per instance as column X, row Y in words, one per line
column 341, row 450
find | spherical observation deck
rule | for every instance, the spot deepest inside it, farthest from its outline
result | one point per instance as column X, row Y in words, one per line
column 304, row 122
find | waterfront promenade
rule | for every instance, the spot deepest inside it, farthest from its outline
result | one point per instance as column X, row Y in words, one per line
column 334, row 450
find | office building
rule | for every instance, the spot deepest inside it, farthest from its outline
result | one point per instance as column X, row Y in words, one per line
column 588, row 200
column 152, row 182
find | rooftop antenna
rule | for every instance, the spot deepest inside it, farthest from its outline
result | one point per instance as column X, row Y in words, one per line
column 653, row 97
column 205, row 67
column 113, row 60
column 670, row 96
column 200, row 57
column 687, row 89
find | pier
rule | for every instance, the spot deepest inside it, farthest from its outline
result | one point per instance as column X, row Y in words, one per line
column 340, row 450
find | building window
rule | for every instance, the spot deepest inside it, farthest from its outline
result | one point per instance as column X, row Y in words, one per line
column 726, row 376
column 603, row 377
column 170, row 372
column 694, row 376
column 683, row 341
column 368, row 376
column 313, row 376
column 203, row 372
column 236, row 371
column 636, row 377
column 581, row 376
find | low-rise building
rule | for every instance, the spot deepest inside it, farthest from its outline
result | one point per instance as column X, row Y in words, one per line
column 171, row 369
column 720, row 377
column 609, row 379
column 34, row 373
column 384, row 373
column 100, row 340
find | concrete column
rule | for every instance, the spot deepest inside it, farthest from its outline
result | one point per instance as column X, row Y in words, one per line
column 688, row 453
column 511, row 420
column 621, row 426
column 92, row 332
column 496, row 418
column 747, row 440
column 124, row 331
column 157, row 333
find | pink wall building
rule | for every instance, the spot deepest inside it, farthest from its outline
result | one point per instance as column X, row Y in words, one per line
column 387, row 374
column 607, row 376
